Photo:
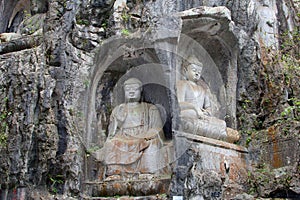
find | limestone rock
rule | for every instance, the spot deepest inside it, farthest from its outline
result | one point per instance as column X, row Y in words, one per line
column 47, row 82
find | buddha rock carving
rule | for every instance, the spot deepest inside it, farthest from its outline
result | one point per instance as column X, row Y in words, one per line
column 135, row 137
column 196, row 115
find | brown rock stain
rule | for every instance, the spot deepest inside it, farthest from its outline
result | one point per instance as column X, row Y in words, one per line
column 276, row 162
column 237, row 167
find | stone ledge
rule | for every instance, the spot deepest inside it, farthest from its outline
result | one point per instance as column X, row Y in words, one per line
column 153, row 197
column 25, row 42
column 128, row 187
column 212, row 142
column 220, row 11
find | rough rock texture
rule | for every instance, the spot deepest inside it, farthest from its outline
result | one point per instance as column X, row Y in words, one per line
column 43, row 84
column 208, row 168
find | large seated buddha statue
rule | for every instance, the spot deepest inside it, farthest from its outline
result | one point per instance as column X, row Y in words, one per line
column 194, row 101
column 135, row 139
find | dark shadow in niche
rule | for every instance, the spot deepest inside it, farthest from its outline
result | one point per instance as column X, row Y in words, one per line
column 153, row 93
column 103, row 103
column 218, row 42
column 160, row 96
column 288, row 194
column 110, row 92
column 62, row 132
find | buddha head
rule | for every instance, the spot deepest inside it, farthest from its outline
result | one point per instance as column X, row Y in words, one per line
column 192, row 69
column 132, row 89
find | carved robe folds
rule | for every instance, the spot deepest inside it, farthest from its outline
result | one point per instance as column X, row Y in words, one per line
column 135, row 140
column 195, row 113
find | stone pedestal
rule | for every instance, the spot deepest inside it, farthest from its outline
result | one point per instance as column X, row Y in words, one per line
column 222, row 164
column 109, row 189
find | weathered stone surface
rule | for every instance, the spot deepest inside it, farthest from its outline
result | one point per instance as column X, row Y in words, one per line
column 135, row 140
column 130, row 187
column 275, row 155
column 217, row 32
column 219, row 167
column 154, row 197
column 31, row 140
column 20, row 44
column 6, row 11
column 194, row 98
column 46, row 85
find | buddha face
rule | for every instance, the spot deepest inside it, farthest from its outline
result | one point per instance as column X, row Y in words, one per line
column 193, row 72
column 132, row 92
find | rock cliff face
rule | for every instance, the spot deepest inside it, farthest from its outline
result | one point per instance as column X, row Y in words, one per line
column 48, row 64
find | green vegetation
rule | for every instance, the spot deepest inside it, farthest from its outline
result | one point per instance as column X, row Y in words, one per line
column 91, row 150
column 104, row 25
column 248, row 140
column 79, row 114
column 4, row 114
column 292, row 111
column 82, row 21
column 86, row 83
column 246, row 103
column 289, row 57
column 125, row 16
column 26, row 14
column 276, row 113
column 55, row 181
column 125, row 32
column 278, row 102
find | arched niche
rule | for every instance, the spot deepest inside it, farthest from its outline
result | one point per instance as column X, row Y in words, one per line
column 155, row 90
column 207, row 33
column 117, row 60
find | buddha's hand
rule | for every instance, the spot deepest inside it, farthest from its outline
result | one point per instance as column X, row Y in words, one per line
column 205, row 112
column 202, row 114
column 151, row 134
column 121, row 113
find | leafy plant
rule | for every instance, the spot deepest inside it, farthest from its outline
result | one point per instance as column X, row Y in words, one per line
column 86, row 83
column 125, row 16
column 55, row 181
column 248, row 140
column 104, row 25
column 92, row 150
column 293, row 111
column 125, row 32
column 4, row 114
